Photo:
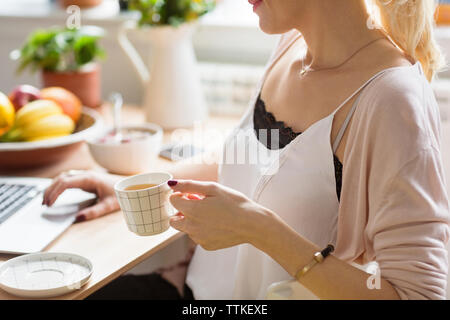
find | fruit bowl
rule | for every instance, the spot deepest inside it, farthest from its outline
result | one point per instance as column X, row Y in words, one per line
column 21, row 155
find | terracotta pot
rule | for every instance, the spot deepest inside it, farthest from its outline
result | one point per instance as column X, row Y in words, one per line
column 80, row 3
column 84, row 84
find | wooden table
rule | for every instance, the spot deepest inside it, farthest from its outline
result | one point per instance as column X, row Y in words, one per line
column 106, row 241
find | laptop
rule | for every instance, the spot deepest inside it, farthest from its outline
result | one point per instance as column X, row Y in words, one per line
column 26, row 226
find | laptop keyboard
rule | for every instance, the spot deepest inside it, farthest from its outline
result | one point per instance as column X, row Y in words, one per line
column 13, row 197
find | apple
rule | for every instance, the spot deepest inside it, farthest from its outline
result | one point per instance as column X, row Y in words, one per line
column 23, row 94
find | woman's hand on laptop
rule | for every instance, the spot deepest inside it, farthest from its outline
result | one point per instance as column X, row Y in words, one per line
column 99, row 183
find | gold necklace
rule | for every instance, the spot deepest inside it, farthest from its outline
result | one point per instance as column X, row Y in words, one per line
column 306, row 69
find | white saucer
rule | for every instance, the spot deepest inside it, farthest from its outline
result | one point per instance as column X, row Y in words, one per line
column 43, row 275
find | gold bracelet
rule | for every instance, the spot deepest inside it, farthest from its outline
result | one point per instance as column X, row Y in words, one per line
column 318, row 258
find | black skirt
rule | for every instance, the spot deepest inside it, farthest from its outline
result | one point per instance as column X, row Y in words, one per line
column 141, row 287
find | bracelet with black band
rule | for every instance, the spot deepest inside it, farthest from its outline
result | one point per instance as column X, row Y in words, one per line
column 318, row 258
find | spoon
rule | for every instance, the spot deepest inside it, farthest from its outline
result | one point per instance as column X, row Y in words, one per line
column 117, row 102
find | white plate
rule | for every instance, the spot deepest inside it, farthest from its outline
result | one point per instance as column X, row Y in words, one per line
column 43, row 275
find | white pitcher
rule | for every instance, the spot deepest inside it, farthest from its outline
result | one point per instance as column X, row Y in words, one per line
column 173, row 96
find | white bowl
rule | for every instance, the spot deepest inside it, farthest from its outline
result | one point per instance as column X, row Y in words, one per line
column 136, row 156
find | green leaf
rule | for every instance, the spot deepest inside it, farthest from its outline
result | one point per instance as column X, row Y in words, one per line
column 60, row 49
column 170, row 12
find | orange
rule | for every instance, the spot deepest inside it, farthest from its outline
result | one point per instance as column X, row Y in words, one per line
column 69, row 102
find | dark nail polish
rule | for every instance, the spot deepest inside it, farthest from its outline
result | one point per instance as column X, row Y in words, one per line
column 172, row 183
column 80, row 218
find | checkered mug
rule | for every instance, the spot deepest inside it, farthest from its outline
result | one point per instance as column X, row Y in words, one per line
column 146, row 211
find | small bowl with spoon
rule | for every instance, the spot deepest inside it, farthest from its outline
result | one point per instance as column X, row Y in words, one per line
column 128, row 149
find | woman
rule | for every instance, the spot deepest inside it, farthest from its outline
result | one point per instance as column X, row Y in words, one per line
column 355, row 163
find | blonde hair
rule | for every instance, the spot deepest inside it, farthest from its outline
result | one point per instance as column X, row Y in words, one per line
column 410, row 25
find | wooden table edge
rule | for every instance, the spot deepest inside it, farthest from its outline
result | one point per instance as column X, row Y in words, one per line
column 81, row 294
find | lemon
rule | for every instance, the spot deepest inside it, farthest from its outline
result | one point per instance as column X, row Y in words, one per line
column 6, row 113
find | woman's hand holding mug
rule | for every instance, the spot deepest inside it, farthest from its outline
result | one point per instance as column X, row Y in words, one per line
column 213, row 215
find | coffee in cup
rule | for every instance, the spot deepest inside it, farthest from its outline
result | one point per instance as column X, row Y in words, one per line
column 144, row 200
column 140, row 187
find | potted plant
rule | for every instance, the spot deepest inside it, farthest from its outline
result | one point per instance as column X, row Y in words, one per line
column 170, row 12
column 66, row 58
column 173, row 96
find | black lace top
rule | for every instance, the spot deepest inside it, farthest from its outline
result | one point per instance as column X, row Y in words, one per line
column 262, row 119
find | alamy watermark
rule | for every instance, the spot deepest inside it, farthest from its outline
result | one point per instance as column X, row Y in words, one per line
column 242, row 147
column 374, row 280
column 73, row 21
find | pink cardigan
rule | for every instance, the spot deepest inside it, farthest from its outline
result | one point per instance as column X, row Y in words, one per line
column 394, row 207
